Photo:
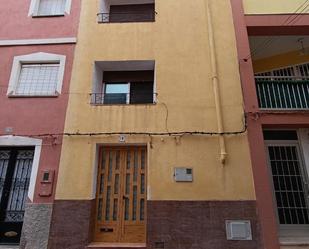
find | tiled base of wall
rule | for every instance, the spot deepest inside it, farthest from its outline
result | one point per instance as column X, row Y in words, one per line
column 171, row 224
column 71, row 224
column 198, row 224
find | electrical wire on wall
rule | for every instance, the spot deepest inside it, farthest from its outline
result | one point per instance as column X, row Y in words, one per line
column 130, row 133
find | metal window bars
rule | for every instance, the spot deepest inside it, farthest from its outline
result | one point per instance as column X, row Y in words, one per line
column 123, row 98
column 290, row 184
column 37, row 79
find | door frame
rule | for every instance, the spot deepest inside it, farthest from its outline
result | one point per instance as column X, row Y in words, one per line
column 288, row 230
column 11, row 169
column 18, row 141
column 98, row 149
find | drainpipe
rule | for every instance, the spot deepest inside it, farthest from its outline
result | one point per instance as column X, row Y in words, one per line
column 215, row 82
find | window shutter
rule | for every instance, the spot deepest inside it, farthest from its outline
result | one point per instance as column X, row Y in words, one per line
column 51, row 7
column 38, row 79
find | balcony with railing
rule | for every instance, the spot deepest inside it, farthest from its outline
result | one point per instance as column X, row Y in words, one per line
column 126, row 11
column 282, row 92
column 122, row 98
column 126, row 17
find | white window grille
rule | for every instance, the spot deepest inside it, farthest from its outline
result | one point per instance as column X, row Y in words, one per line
column 295, row 71
column 37, row 74
column 37, row 79
column 51, row 7
column 290, row 184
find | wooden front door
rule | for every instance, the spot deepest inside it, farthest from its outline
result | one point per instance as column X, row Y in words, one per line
column 121, row 195
column 15, row 171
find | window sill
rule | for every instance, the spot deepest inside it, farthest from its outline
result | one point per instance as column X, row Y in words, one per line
column 33, row 96
column 121, row 22
column 47, row 16
column 147, row 104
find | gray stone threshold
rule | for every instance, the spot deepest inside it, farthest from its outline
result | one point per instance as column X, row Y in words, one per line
column 8, row 247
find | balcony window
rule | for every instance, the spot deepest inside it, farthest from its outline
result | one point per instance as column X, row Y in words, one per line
column 116, row 93
column 127, row 11
column 132, row 85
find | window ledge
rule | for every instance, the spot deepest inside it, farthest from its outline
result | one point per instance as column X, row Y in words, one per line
column 47, row 16
column 147, row 104
column 33, row 96
column 119, row 22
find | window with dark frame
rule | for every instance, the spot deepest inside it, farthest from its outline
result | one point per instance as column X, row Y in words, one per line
column 128, row 87
column 112, row 11
column 132, row 13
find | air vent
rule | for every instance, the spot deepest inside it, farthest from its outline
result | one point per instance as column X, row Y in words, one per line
column 238, row 230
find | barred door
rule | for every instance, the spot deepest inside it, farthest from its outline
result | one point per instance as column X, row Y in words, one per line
column 121, row 195
column 15, row 171
column 290, row 182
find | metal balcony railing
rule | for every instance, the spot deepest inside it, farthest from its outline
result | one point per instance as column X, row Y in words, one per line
column 122, row 98
column 145, row 16
column 283, row 93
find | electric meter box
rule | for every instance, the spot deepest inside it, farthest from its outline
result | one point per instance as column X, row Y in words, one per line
column 183, row 174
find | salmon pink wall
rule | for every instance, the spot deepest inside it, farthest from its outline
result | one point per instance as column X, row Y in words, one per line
column 40, row 115
column 16, row 24
column 31, row 116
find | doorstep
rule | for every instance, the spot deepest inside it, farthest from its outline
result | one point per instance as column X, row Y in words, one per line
column 100, row 245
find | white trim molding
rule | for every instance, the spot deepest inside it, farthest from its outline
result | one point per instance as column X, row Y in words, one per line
column 64, row 40
column 303, row 134
column 34, row 7
column 26, row 141
column 35, row 58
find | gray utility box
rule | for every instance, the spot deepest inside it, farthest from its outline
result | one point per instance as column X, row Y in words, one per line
column 238, row 230
column 183, row 174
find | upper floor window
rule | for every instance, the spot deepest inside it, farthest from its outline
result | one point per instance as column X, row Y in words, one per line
column 38, row 74
column 127, row 11
column 49, row 7
column 37, row 79
column 128, row 82
column 128, row 87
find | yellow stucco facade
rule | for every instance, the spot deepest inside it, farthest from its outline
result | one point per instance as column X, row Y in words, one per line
column 178, row 42
column 256, row 7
